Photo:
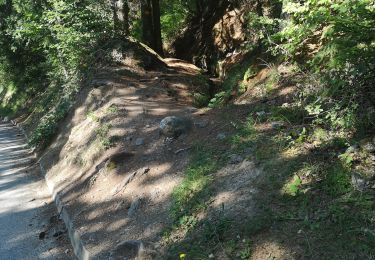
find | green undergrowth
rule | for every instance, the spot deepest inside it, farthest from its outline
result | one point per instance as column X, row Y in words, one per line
column 189, row 197
column 234, row 82
column 306, row 200
column 309, row 191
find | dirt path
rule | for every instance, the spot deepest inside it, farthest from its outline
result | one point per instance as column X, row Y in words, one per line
column 116, row 173
column 29, row 226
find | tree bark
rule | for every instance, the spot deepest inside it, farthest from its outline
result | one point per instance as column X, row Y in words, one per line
column 151, row 29
column 147, row 28
column 158, row 44
column 126, row 22
column 115, row 15
column 120, row 16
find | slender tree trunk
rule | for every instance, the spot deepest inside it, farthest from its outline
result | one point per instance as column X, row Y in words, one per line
column 120, row 16
column 147, row 28
column 126, row 22
column 151, row 29
column 158, row 44
column 115, row 15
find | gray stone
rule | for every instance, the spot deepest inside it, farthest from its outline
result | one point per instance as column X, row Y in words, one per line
column 221, row 136
column 235, row 159
column 201, row 124
column 134, row 206
column 277, row 124
column 133, row 249
column 191, row 109
column 358, row 182
column 352, row 149
column 6, row 119
column 100, row 83
column 173, row 126
column 368, row 147
column 248, row 151
column 139, row 141
column 260, row 113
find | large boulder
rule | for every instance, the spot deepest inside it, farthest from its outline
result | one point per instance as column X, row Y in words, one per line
column 173, row 126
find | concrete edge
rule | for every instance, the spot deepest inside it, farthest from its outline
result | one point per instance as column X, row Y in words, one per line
column 79, row 248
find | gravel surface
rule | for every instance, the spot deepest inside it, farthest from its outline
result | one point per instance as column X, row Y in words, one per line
column 30, row 227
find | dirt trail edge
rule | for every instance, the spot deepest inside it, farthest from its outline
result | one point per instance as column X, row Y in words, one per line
column 113, row 174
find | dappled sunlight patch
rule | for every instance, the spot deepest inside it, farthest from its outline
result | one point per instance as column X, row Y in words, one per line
column 293, row 186
column 268, row 249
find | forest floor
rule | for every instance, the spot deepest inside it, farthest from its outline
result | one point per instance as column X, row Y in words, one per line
column 235, row 187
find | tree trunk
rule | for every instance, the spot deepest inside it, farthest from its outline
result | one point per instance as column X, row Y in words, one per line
column 115, row 15
column 158, row 45
column 126, row 22
column 147, row 28
column 121, row 16
column 151, row 31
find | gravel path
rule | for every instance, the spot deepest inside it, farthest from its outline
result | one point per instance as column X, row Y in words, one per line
column 29, row 225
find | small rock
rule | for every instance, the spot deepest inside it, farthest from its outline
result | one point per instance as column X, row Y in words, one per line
column 221, row 136
column 173, row 126
column 134, row 206
column 352, row 149
column 277, row 125
column 211, row 256
column 66, row 251
column 260, row 113
column 235, row 159
column 42, row 235
column 6, row 119
column 168, row 140
column 201, row 124
column 358, row 182
column 368, row 147
column 181, row 150
column 58, row 233
column 99, row 83
column 128, row 138
column 248, row 151
column 133, row 249
column 271, row 102
column 183, row 136
column 192, row 109
column 139, row 141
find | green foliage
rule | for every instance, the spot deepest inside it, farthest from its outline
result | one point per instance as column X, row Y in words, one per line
column 260, row 28
column 48, row 124
column 102, row 134
column 173, row 16
column 293, row 187
column 188, row 195
column 232, row 82
column 334, row 40
column 337, row 181
column 45, row 50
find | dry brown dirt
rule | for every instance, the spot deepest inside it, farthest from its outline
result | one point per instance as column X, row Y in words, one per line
column 123, row 192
